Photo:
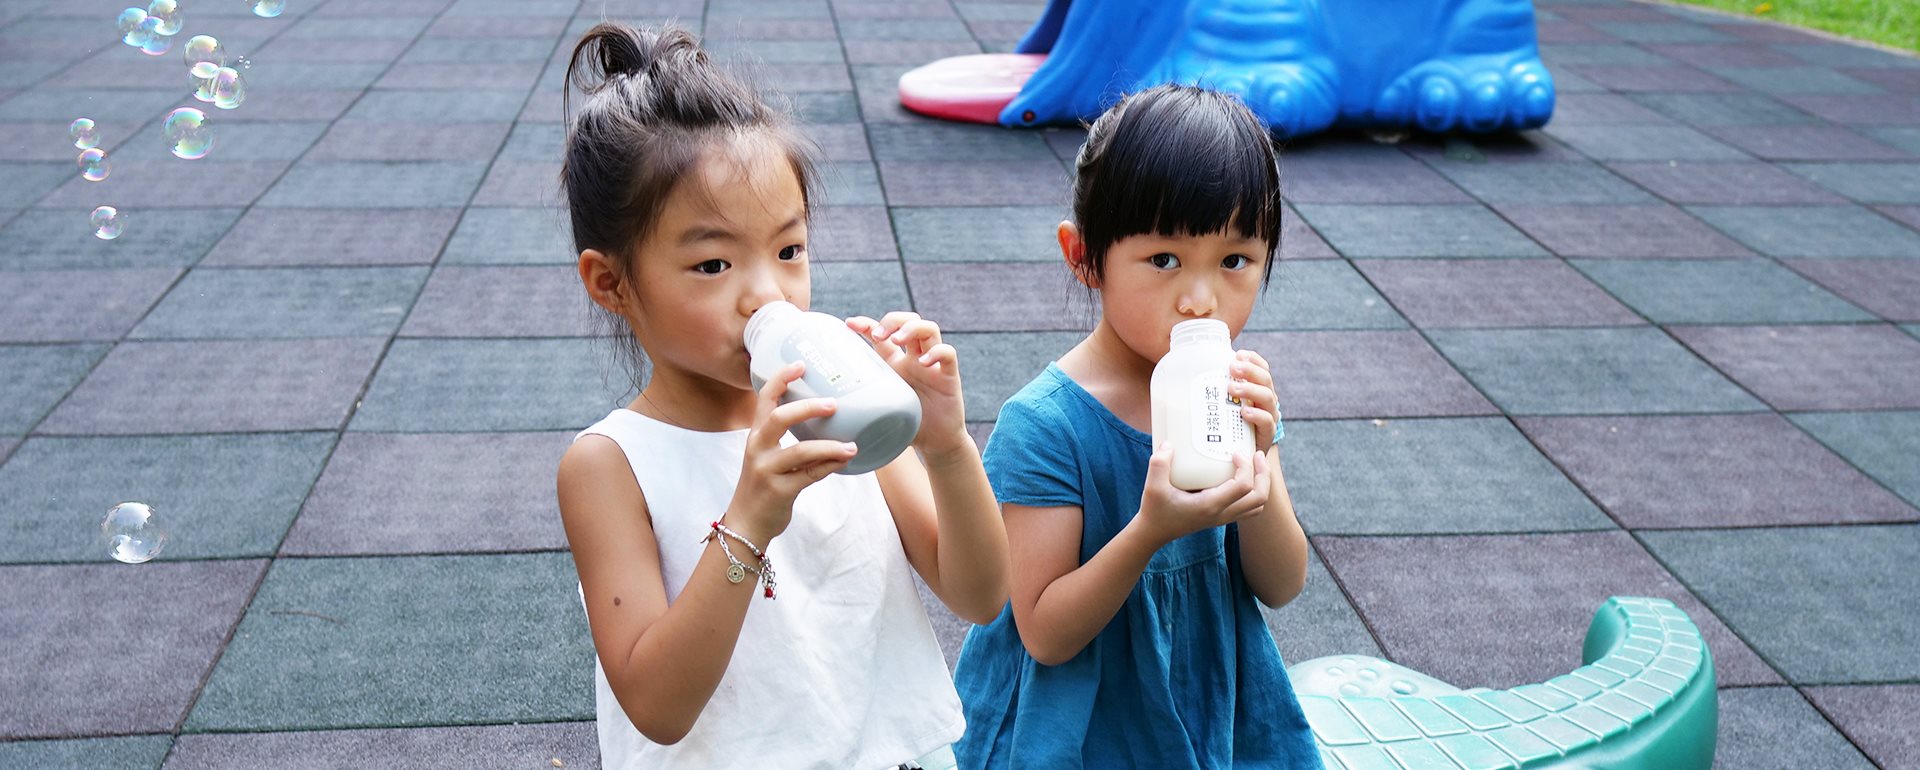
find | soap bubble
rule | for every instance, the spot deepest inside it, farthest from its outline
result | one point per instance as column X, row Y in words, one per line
column 229, row 89
column 188, row 135
column 84, row 136
column 152, row 43
column 107, row 223
column 133, row 534
column 94, row 164
column 204, row 56
column 133, row 29
column 203, row 89
column 243, row 63
column 267, row 9
column 168, row 12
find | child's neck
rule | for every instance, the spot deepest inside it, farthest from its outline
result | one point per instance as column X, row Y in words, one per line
column 694, row 402
column 1114, row 374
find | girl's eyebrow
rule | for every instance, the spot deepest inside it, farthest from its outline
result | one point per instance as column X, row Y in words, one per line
column 708, row 232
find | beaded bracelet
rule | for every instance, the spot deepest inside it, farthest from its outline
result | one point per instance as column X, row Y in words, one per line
column 736, row 569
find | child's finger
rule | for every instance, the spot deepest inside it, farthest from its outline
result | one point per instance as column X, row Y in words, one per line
column 808, row 455
column 1254, row 358
column 917, row 335
column 862, row 324
column 1248, row 371
column 944, row 357
column 892, row 322
column 785, row 416
column 768, row 398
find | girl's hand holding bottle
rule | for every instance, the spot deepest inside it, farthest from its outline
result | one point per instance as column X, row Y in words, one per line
column 1169, row 513
column 912, row 346
column 1259, row 405
column 771, row 476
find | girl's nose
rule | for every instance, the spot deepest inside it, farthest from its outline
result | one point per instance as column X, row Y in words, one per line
column 1197, row 301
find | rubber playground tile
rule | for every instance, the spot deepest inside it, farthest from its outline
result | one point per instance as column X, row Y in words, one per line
column 147, row 186
column 571, row 744
column 1543, row 183
column 1662, row 32
column 956, row 142
column 1745, row 291
column 1609, row 50
column 1348, row 374
column 1805, row 143
column 1779, row 588
column 535, row 141
column 877, row 88
column 850, row 234
column 1889, row 287
column 6, row 447
column 1652, row 78
column 778, row 51
column 1712, row 471
column 460, row 301
column 1738, row 184
column 1438, row 294
column 1320, row 295
column 1830, row 53
column 1625, row 232
column 262, row 303
column 1602, row 110
column 836, row 141
column 499, row 26
column 34, row 378
column 453, row 77
column 217, row 496
column 1735, row 109
column 872, row 289
column 1760, row 726
column 50, row 239
column 293, row 49
column 219, row 386
column 1812, row 231
column 1815, row 367
column 999, row 364
column 914, row 52
column 1875, row 718
column 321, row 237
column 1865, row 182
column 1298, row 239
column 1426, row 231
column 534, row 236
column 1370, row 175
column 981, row 233
column 850, row 184
column 1879, row 443
column 1722, row 55
column 105, row 106
column 1797, row 79
column 371, row 140
column 241, row 141
column 1500, row 611
column 384, row 28
column 1000, row 297
column 1319, row 622
column 375, row 185
column 424, row 106
column 982, row 183
column 478, row 385
column 383, row 641
column 76, row 306
column 1860, row 109
column 1660, row 143
column 289, row 106
column 1907, row 215
column 135, row 752
column 396, row 493
column 1905, row 138
column 147, row 634
column 521, row 183
column 1377, row 477
column 1589, row 371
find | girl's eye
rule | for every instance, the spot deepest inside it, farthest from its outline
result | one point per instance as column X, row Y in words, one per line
column 791, row 253
column 1236, row 261
column 1164, row 261
column 712, row 266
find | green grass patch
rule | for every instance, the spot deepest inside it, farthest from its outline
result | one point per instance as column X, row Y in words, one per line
column 1893, row 23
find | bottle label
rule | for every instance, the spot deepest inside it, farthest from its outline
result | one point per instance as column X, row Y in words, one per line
column 832, row 368
column 1218, row 429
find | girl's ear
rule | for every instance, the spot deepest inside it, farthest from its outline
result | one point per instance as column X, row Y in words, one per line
column 601, row 277
column 1074, row 250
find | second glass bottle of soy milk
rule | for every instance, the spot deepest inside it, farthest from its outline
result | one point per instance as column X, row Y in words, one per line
column 1191, row 409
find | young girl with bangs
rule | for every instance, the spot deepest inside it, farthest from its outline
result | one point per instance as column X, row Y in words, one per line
column 1132, row 638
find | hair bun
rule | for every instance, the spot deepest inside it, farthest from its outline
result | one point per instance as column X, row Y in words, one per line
column 611, row 50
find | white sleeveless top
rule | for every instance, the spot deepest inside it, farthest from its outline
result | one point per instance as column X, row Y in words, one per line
column 841, row 671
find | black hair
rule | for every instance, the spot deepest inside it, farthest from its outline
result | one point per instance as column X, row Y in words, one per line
column 1176, row 160
column 654, row 102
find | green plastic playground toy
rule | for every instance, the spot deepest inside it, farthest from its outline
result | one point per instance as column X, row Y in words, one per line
column 1644, row 700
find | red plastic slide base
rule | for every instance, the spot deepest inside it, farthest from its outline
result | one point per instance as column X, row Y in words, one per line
column 973, row 88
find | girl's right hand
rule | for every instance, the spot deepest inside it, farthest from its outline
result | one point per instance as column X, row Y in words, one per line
column 771, row 476
column 1171, row 513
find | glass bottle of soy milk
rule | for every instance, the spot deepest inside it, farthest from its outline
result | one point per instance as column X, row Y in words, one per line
column 1191, row 409
column 874, row 408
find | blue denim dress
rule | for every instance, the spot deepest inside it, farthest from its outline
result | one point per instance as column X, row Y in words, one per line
column 1186, row 674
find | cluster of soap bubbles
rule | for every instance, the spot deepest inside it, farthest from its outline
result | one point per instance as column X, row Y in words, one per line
column 133, row 533
column 186, row 131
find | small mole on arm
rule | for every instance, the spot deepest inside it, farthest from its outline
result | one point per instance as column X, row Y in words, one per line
column 616, row 601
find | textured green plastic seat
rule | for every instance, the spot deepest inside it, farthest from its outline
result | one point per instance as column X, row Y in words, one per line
column 1644, row 700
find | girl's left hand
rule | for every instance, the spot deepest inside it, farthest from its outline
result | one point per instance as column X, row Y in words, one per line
column 1259, row 405
column 912, row 346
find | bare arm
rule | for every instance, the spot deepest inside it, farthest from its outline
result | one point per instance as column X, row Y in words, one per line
column 1273, row 548
column 951, row 528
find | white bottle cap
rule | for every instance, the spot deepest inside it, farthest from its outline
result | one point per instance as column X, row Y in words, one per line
column 1200, row 330
column 777, row 311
